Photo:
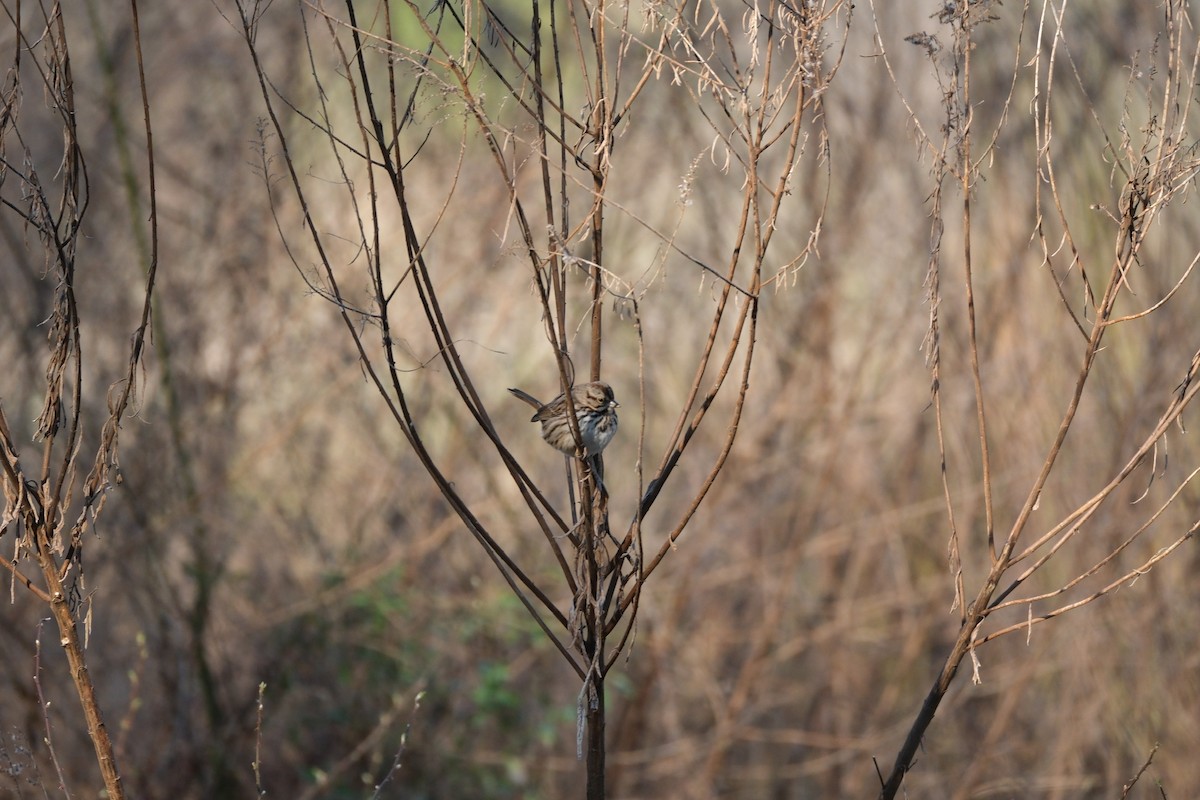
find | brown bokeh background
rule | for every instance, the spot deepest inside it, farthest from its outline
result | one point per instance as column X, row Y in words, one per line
column 272, row 525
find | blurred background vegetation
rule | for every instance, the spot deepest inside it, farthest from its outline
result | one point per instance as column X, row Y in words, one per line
column 272, row 526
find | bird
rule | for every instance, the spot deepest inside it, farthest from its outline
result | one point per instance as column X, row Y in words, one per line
column 595, row 408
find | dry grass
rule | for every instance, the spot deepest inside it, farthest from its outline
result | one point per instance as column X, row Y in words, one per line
column 273, row 524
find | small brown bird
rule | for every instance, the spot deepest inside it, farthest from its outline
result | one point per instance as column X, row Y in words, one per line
column 595, row 408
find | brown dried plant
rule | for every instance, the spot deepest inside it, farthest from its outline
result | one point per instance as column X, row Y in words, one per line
column 1155, row 159
column 553, row 101
column 50, row 207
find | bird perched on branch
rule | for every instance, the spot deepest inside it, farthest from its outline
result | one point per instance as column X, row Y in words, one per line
column 595, row 408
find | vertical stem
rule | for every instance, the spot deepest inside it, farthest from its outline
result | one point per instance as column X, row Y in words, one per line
column 972, row 616
column 593, row 511
column 595, row 733
column 602, row 131
column 68, row 637
column 964, row 165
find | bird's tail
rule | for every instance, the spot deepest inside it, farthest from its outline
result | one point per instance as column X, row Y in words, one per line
column 527, row 397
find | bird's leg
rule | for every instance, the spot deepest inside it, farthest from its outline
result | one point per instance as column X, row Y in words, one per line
column 596, row 469
column 571, row 491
